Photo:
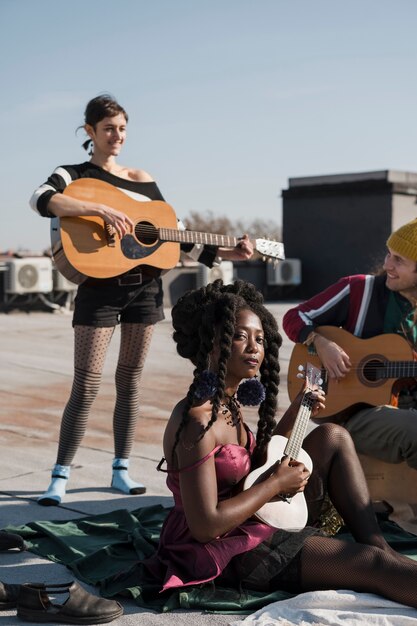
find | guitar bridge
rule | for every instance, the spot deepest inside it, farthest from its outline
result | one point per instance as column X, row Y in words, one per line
column 110, row 235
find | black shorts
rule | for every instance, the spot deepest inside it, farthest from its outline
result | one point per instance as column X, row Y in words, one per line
column 106, row 302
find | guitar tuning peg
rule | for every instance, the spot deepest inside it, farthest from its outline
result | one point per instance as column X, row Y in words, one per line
column 301, row 368
column 300, row 375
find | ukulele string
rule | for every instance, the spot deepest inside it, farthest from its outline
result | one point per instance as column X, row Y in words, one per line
column 297, row 436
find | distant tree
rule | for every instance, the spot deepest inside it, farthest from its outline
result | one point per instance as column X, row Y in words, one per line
column 261, row 228
column 209, row 223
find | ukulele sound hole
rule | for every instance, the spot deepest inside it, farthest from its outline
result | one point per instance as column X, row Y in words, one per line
column 146, row 233
column 371, row 372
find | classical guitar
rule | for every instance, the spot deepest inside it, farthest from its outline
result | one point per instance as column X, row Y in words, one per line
column 84, row 246
column 288, row 513
column 377, row 364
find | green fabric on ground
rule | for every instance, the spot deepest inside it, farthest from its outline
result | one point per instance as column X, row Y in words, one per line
column 106, row 550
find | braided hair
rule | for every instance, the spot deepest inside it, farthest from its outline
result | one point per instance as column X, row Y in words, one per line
column 204, row 314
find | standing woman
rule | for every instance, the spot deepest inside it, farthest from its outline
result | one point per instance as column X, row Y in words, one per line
column 134, row 299
column 211, row 533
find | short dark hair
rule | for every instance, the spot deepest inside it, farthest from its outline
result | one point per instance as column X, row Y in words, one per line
column 100, row 107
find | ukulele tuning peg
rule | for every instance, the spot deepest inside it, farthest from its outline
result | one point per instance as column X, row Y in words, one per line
column 301, row 368
column 300, row 375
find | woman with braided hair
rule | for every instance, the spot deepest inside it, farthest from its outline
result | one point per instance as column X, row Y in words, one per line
column 212, row 534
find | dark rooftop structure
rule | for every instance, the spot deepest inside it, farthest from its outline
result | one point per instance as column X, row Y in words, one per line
column 338, row 224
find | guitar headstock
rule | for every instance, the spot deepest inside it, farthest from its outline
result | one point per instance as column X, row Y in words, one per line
column 312, row 375
column 270, row 249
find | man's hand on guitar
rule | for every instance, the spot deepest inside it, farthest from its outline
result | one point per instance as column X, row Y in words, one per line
column 241, row 252
column 333, row 357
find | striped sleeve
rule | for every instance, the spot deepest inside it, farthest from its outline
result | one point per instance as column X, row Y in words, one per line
column 56, row 183
column 198, row 252
column 331, row 307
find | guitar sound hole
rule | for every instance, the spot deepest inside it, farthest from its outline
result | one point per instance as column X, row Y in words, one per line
column 373, row 370
column 146, row 233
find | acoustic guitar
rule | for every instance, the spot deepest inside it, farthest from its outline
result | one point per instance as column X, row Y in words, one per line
column 84, row 246
column 286, row 512
column 377, row 364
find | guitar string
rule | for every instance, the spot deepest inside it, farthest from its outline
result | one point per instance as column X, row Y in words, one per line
column 147, row 229
column 297, row 436
column 385, row 366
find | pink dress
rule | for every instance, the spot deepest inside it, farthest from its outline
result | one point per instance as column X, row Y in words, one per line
column 181, row 560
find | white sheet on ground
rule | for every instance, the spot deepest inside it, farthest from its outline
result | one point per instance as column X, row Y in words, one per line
column 332, row 608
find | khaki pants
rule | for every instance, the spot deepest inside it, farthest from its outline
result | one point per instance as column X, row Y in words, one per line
column 386, row 433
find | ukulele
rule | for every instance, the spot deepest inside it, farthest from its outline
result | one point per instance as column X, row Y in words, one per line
column 288, row 512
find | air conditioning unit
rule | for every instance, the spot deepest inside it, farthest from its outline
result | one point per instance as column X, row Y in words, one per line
column 287, row 272
column 60, row 283
column 29, row 275
column 207, row 275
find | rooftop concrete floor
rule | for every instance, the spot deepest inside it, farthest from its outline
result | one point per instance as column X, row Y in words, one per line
column 36, row 355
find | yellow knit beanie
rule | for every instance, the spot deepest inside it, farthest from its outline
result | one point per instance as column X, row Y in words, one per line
column 404, row 240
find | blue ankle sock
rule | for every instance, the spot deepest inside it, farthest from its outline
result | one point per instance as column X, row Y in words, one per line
column 121, row 479
column 56, row 490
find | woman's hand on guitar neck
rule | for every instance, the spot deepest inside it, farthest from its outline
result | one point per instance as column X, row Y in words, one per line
column 318, row 402
column 286, row 423
column 242, row 252
column 333, row 358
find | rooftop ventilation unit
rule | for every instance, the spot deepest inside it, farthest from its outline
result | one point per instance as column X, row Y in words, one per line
column 61, row 283
column 29, row 275
column 287, row 272
column 208, row 275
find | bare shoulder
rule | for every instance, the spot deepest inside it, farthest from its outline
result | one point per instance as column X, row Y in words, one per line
column 194, row 423
column 197, row 415
column 140, row 176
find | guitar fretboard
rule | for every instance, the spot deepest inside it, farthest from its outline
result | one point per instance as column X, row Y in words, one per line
column 189, row 236
column 397, row 369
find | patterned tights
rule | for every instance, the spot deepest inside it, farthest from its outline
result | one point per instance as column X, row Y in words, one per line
column 369, row 565
column 91, row 346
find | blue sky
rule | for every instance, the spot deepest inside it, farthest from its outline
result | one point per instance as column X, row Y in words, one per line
column 227, row 98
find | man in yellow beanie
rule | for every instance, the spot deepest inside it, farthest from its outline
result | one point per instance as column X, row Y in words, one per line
column 368, row 306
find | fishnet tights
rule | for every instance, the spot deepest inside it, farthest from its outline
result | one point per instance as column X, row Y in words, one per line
column 369, row 565
column 91, row 345
column 328, row 563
